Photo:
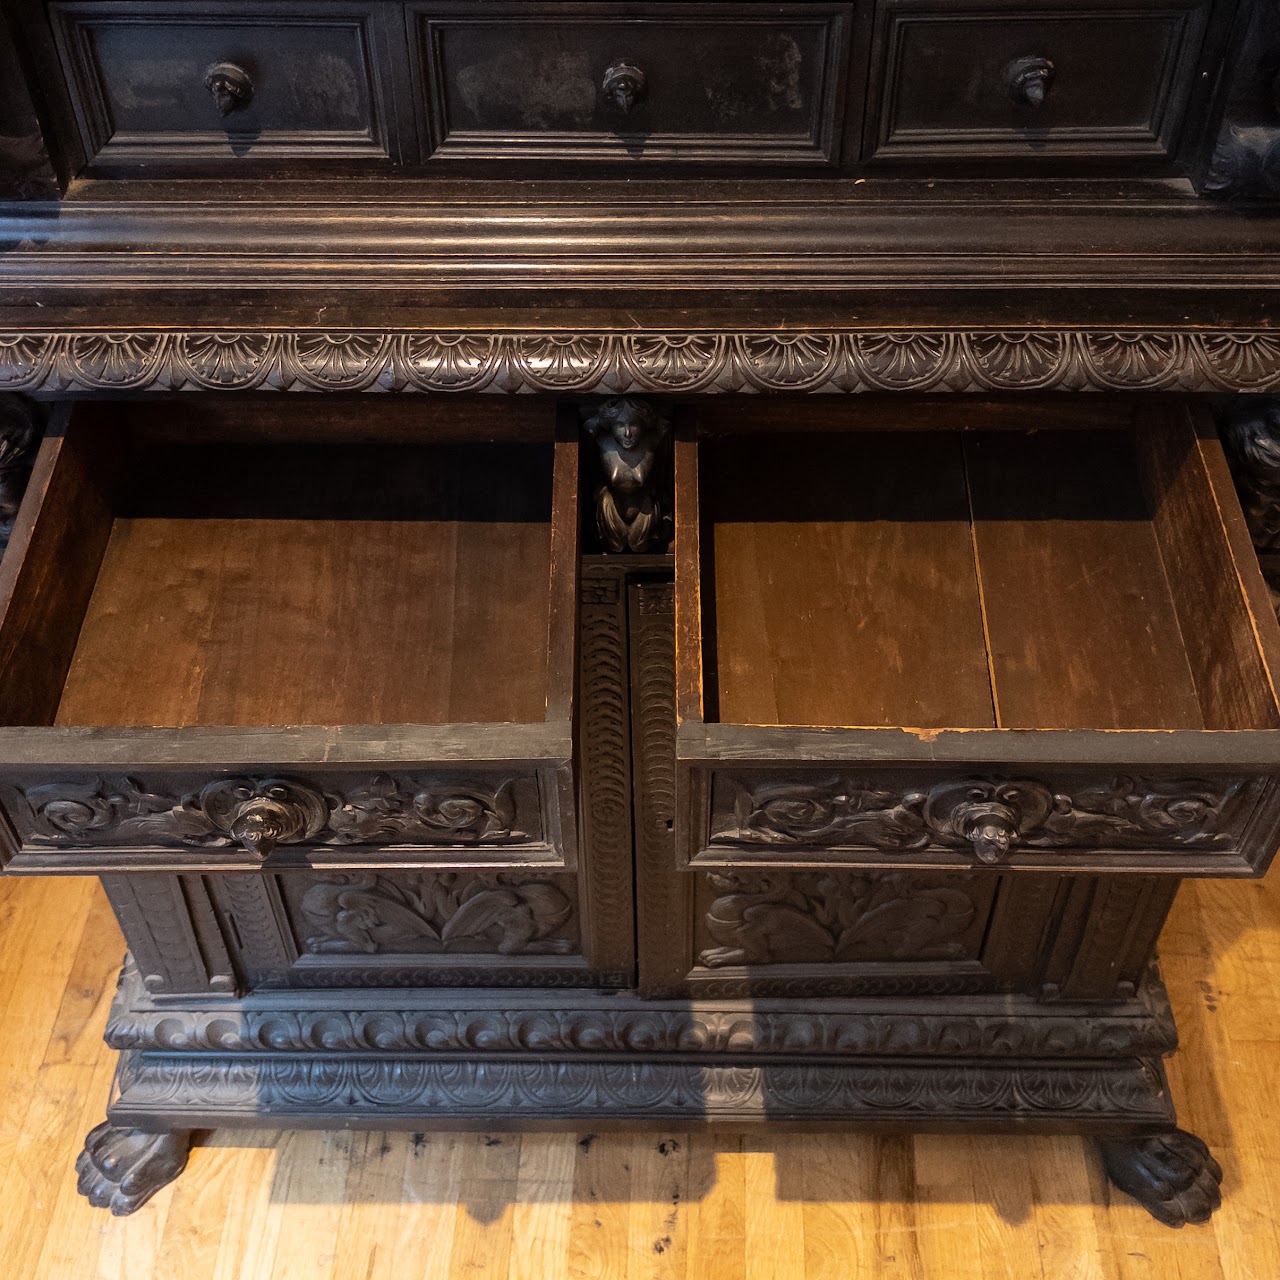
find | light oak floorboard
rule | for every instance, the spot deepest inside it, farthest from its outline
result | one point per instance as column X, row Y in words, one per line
column 660, row 1205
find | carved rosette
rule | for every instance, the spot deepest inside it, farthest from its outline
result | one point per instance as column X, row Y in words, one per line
column 633, row 363
column 988, row 817
column 259, row 814
column 508, row 913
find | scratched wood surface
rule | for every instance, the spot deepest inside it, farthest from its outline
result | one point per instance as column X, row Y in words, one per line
column 656, row 1205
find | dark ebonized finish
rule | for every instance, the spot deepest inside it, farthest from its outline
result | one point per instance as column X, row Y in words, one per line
column 687, row 737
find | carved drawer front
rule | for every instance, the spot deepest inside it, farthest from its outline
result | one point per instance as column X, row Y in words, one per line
column 1036, row 85
column 159, row 84
column 239, row 650
column 1030, row 650
column 742, row 84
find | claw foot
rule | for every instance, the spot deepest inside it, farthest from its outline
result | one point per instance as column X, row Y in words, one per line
column 1172, row 1175
column 121, row 1169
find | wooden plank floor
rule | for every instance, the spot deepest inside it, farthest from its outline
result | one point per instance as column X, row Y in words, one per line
column 662, row 1204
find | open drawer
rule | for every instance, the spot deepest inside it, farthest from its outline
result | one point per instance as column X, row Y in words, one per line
column 1048, row 650
column 246, row 642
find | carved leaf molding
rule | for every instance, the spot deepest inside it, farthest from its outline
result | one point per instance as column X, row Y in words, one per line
column 506, row 912
column 988, row 816
column 614, row 363
column 259, row 813
column 1127, row 1090
column 808, row 918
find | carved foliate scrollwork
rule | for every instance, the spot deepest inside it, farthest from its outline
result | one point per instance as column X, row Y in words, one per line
column 815, row 917
column 989, row 817
column 632, row 490
column 259, row 814
column 506, row 912
column 1123, row 1091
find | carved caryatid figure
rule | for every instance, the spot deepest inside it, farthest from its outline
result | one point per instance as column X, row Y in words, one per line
column 1251, row 436
column 20, row 430
column 632, row 508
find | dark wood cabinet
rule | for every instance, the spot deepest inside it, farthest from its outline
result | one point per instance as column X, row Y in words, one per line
column 603, row 564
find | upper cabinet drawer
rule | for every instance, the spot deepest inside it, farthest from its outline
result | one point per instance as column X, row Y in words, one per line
column 742, row 84
column 1044, row 650
column 257, row 648
column 1033, row 83
column 159, row 84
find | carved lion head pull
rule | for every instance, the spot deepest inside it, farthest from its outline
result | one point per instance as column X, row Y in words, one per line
column 261, row 815
column 989, row 817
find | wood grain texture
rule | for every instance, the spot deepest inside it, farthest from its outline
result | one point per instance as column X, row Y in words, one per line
column 707, row 1206
column 845, row 591
column 1080, row 615
column 276, row 585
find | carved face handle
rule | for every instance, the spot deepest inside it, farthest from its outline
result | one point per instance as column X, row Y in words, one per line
column 1028, row 80
column 623, row 86
column 262, row 823
column 230, row 85
column 991, row 829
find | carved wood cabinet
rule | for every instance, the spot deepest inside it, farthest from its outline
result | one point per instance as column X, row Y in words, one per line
column 684, row 738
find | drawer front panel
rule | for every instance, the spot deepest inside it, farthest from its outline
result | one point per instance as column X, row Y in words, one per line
column 1034, row 85
column 1049, row 820
column 657, row 83
column 151, row 821
column 157, row 83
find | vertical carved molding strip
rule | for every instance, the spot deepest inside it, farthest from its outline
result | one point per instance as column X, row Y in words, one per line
column 21, row 426
column 664, row 896
column 1246, row 160
column 604, row 733
column 1250, row 431
column 632, row 474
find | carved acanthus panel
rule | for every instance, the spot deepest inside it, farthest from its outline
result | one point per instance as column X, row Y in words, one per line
column 258, row 814
column 500, row 913
column 987, row 818
column 816, row 917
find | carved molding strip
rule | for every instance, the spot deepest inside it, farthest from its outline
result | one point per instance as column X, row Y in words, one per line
column 624, row 363
column 1018, row 1028
column 1126, row 1090
column 258, row 814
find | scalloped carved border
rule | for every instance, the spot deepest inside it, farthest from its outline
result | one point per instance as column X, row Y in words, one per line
column 1125, row 1091
column 615, row 363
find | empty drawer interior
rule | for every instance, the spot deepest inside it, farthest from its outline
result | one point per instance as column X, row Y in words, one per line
column 263, row 575
column 1008, row 579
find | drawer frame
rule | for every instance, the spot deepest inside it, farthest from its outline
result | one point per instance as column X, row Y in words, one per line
column 1173, row 802
column 1169, row 146
column 107, row 152
column 349, row 797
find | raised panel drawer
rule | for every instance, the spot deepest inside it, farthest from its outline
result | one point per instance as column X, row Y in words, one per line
column 1033, row 84
column 256, row 651
column 155, row 84
column 1045, row 651
column 746, row 84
